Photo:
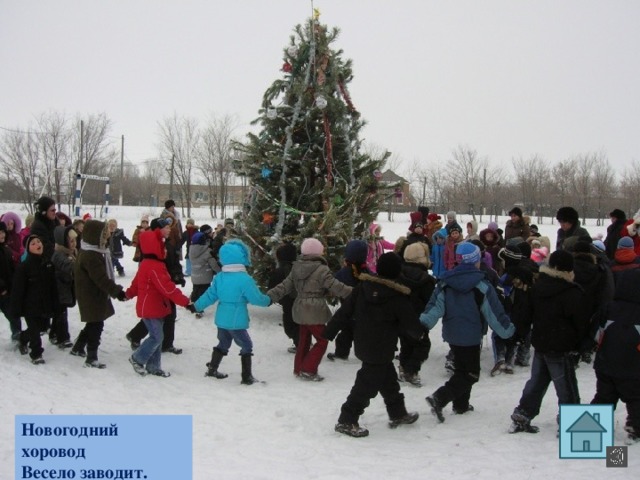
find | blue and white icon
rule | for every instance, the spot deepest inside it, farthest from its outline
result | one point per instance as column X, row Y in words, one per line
column 585, row 430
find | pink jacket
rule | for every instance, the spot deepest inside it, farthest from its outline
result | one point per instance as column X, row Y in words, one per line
column 376, row 247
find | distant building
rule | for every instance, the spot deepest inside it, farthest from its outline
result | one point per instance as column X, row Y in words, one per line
column 396, row 192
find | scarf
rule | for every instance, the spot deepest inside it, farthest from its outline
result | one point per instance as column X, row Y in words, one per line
column 234, row 267
column 104, row 251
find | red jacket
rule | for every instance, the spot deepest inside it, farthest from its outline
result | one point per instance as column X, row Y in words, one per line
column 152, row 284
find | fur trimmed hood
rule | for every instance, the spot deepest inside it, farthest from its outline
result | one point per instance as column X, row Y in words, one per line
column 562, row 275
column 386, row 282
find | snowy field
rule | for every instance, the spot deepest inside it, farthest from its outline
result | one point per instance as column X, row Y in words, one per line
column 284, row 429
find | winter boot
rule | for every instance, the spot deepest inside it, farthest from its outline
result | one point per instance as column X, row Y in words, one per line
column 247, row 377
column 521, row 423
column 94, row 364
column 216, row 358
column 497, row 368
column 461, row 410
column 137, row 367
column 406, row 419
column 351, row 429
column 78, row 347
column 436, row 408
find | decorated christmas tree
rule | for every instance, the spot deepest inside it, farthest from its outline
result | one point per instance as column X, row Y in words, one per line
column 307, row 172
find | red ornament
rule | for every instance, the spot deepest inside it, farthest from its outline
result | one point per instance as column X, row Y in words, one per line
column 286, row 67
column 268, row 218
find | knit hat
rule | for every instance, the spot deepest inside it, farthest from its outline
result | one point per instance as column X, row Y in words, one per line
column 533, row 228
column 561, row 260
column 29, row 239
column 206, row 229
column 581, row 247
column 510, row 255
column 417, row 252
column 619, row 214
column 356, row 252
column 625, row 242
column 493, row 226
column 169, row 203
column 599, row 244
column 433, row 217
column 525, row 249
column 567, row 214
column 389, row 265
column 144, row 218
column 160, row 222
column 516, row 211
column 451, row 215
column 190, row 221
column 311, row 246
column 455, row 228
column 286, row 252
column 43, row 204
column 467, row 253
column 87, row 216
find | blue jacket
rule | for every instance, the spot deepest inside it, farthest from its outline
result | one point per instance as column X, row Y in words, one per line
column 437, row 254
column 454, row 300
column 234, row 288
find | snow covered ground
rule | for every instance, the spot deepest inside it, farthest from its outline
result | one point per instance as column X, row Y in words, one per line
column 284, row 429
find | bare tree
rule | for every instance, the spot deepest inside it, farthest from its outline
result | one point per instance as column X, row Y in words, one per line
column 54, row 138
column 630, row 187
column 179, row 142
column 215, row 160
column 562, row 174
column 21, row 164
column 468, row 176
column 603, row 182
column 532, row 178
column 582, row 184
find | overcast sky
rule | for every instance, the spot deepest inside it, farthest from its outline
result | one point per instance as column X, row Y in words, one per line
column 508, row 78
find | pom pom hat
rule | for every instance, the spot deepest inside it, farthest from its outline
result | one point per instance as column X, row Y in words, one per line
column 312, row 246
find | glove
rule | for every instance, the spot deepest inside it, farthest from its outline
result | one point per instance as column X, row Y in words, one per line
column 122, row 296
column 191, row 307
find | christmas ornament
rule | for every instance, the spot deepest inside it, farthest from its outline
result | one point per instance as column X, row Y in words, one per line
column 286, row 67
column 377, row 174
column 268, row 218
column 272, row 113
column 292, row 51
column 266, row 172
column 321, row 102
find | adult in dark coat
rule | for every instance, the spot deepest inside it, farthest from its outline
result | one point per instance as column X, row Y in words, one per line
column 44, row 223
column 617, row 362
column 95, row 287
column 569, row 228
column 34, row 296
column 614, row 231
column 517, row 226
column 379, row 310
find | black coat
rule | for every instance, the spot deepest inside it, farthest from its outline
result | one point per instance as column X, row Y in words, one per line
column 116, row 240
column 593, row 278
column 34, row 292
column 379, row 310
column 556, row 312
column 618, row 352
column 614, row 232
column 417, row 278
column 276, row 278
column 43, row 228
column 7, row 269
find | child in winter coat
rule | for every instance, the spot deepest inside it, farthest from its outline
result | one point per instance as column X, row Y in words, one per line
column 95, row 286
column 7, row 270
column 13, row 240
column 233, row 288
column 450, row 245
column 376, row 245
column 63, row 259
column 286, row 255
column 312, row 281
column 116, row 239
column 472, row 231
column 437, row 253
column 189, row 231
column 152, row 285
column 617, row 362
column 379, row 310
column 143, row 227
column 354, row 266
column 34, row 297
column 203, row 264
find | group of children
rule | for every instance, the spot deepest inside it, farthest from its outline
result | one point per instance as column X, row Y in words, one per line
column 483, row 279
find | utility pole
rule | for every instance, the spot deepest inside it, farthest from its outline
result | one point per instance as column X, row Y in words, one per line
column 81, row 146
column 173, row 159
column 121, row 169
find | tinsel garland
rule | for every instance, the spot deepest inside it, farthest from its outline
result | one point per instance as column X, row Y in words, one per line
column 329, row 148
column 347, row 98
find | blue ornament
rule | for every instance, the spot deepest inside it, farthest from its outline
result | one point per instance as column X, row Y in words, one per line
column 266, row 172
